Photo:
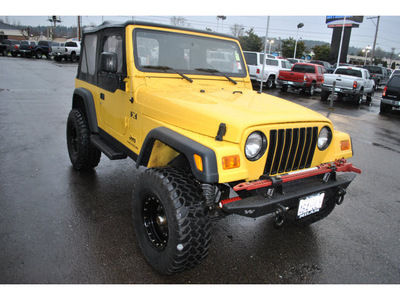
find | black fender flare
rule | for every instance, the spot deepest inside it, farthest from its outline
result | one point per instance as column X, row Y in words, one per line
column 87, row 104
column 187, row 147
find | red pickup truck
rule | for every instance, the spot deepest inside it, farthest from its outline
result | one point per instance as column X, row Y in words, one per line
column 303, row 76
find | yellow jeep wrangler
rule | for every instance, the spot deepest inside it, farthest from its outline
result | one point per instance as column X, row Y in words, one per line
column 179, row 102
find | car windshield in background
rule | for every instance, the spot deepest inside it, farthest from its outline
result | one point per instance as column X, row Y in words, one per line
column 349, row 72
column 186, row 53
column 373, row 69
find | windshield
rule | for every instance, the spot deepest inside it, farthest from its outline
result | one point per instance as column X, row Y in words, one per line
column 373, row 69
column 186, row 53
column 349, row 72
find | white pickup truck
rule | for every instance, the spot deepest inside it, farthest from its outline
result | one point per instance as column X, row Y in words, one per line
column 70, row 51
column 350, row 82
column 271, row 71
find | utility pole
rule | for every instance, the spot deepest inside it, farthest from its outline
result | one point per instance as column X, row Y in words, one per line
column 376, row 35
column 54, row 20
column 78, row 30
column 264, row 57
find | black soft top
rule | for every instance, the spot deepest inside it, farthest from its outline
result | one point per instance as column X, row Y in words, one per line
column 108, row 24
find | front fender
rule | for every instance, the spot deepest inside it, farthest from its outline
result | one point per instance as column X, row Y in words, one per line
column 185, row 146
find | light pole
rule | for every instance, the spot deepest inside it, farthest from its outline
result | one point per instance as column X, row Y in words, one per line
column 300, row 25
column 270, row 42
column 366, row 50
column 222, row 18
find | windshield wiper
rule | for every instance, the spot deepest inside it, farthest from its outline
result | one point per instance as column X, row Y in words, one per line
column 213, row 71
column 165, row 68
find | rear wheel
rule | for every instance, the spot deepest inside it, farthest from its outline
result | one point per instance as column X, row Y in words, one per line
column 170, row 219
column 83, row 155
column 284, row 88
column 385, row 108
column 39, row 55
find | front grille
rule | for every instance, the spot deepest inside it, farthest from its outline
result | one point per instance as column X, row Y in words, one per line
column 290, row 149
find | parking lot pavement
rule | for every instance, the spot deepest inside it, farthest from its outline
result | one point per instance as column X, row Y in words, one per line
column 61, row 226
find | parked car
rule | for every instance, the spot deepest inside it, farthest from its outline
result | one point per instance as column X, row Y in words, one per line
column 350, row 81
column 325, row 64
column 272, row 67
column 43, row 48
column 391, row 95
column 296, row 60
column 379, row 74
column 73, row 50
column 333, row 67
column 14, row 48
column 26, row 48
column 303, row 76
column 57, row 50
column 397, row 71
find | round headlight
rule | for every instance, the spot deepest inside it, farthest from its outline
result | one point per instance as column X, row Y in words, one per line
column 256, row 145
column 324, row 138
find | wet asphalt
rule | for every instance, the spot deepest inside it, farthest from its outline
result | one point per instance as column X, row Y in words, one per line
column 62, row 226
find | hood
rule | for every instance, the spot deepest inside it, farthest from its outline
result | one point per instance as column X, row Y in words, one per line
column 202, row 109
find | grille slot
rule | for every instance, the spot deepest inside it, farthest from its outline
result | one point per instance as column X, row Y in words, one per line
column 290, row 149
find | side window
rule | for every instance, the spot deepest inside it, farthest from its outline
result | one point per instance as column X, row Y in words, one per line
column 251, row 58
column 88, row 58
column 113, row 43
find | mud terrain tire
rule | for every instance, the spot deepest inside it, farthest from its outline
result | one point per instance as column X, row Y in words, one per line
column 170, row 219
column 83, row 155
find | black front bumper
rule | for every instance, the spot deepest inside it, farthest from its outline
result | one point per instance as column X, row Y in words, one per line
column 288, row 195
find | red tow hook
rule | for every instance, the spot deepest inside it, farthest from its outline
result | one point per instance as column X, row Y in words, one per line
column 340, row 165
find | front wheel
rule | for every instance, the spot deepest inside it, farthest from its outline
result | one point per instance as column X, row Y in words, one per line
column 83, row 155
column 170, row 219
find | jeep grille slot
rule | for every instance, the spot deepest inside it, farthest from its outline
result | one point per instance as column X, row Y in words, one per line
column 290, row 149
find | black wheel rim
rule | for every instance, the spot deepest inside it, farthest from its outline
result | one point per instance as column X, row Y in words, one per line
column 155, row 222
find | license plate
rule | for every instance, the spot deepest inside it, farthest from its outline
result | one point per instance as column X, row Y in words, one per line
column 337, row 90
column 290, row 82
column 310, row 205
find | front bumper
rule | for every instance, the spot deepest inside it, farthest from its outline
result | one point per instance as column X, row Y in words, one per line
column 267, row 196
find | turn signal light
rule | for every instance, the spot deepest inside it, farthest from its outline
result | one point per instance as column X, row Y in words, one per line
column 199, row 162
column 345, row 145
column 355, row 84
column 230, row 162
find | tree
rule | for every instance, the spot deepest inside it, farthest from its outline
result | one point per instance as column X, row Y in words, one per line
column 179, row 21
column 288, row 48
column 322, row 52
column 237, row 30
column 251, row 42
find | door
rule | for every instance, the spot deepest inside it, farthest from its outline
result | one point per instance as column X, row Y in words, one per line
column 113, row 97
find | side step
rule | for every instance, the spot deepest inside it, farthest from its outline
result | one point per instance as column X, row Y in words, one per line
column 106, row 148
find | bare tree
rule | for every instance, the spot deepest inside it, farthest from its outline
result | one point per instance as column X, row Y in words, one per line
column 237, row 30
column 179, row 21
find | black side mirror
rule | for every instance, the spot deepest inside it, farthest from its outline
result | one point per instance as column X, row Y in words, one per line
column 108, row 62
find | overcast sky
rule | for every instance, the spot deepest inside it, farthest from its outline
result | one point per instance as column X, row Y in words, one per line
column 284, row 17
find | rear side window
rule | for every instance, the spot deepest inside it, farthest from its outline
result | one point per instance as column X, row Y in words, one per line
column 89, row 55
column 395, row 81
column 251, row 58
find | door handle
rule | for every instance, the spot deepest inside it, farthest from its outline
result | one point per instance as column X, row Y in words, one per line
column 102, row 97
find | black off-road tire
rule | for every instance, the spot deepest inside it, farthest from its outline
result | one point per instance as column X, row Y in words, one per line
column 170, row 218
column 324, row 95
column 384, row 108
column 39, row 55
column 83, row 155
